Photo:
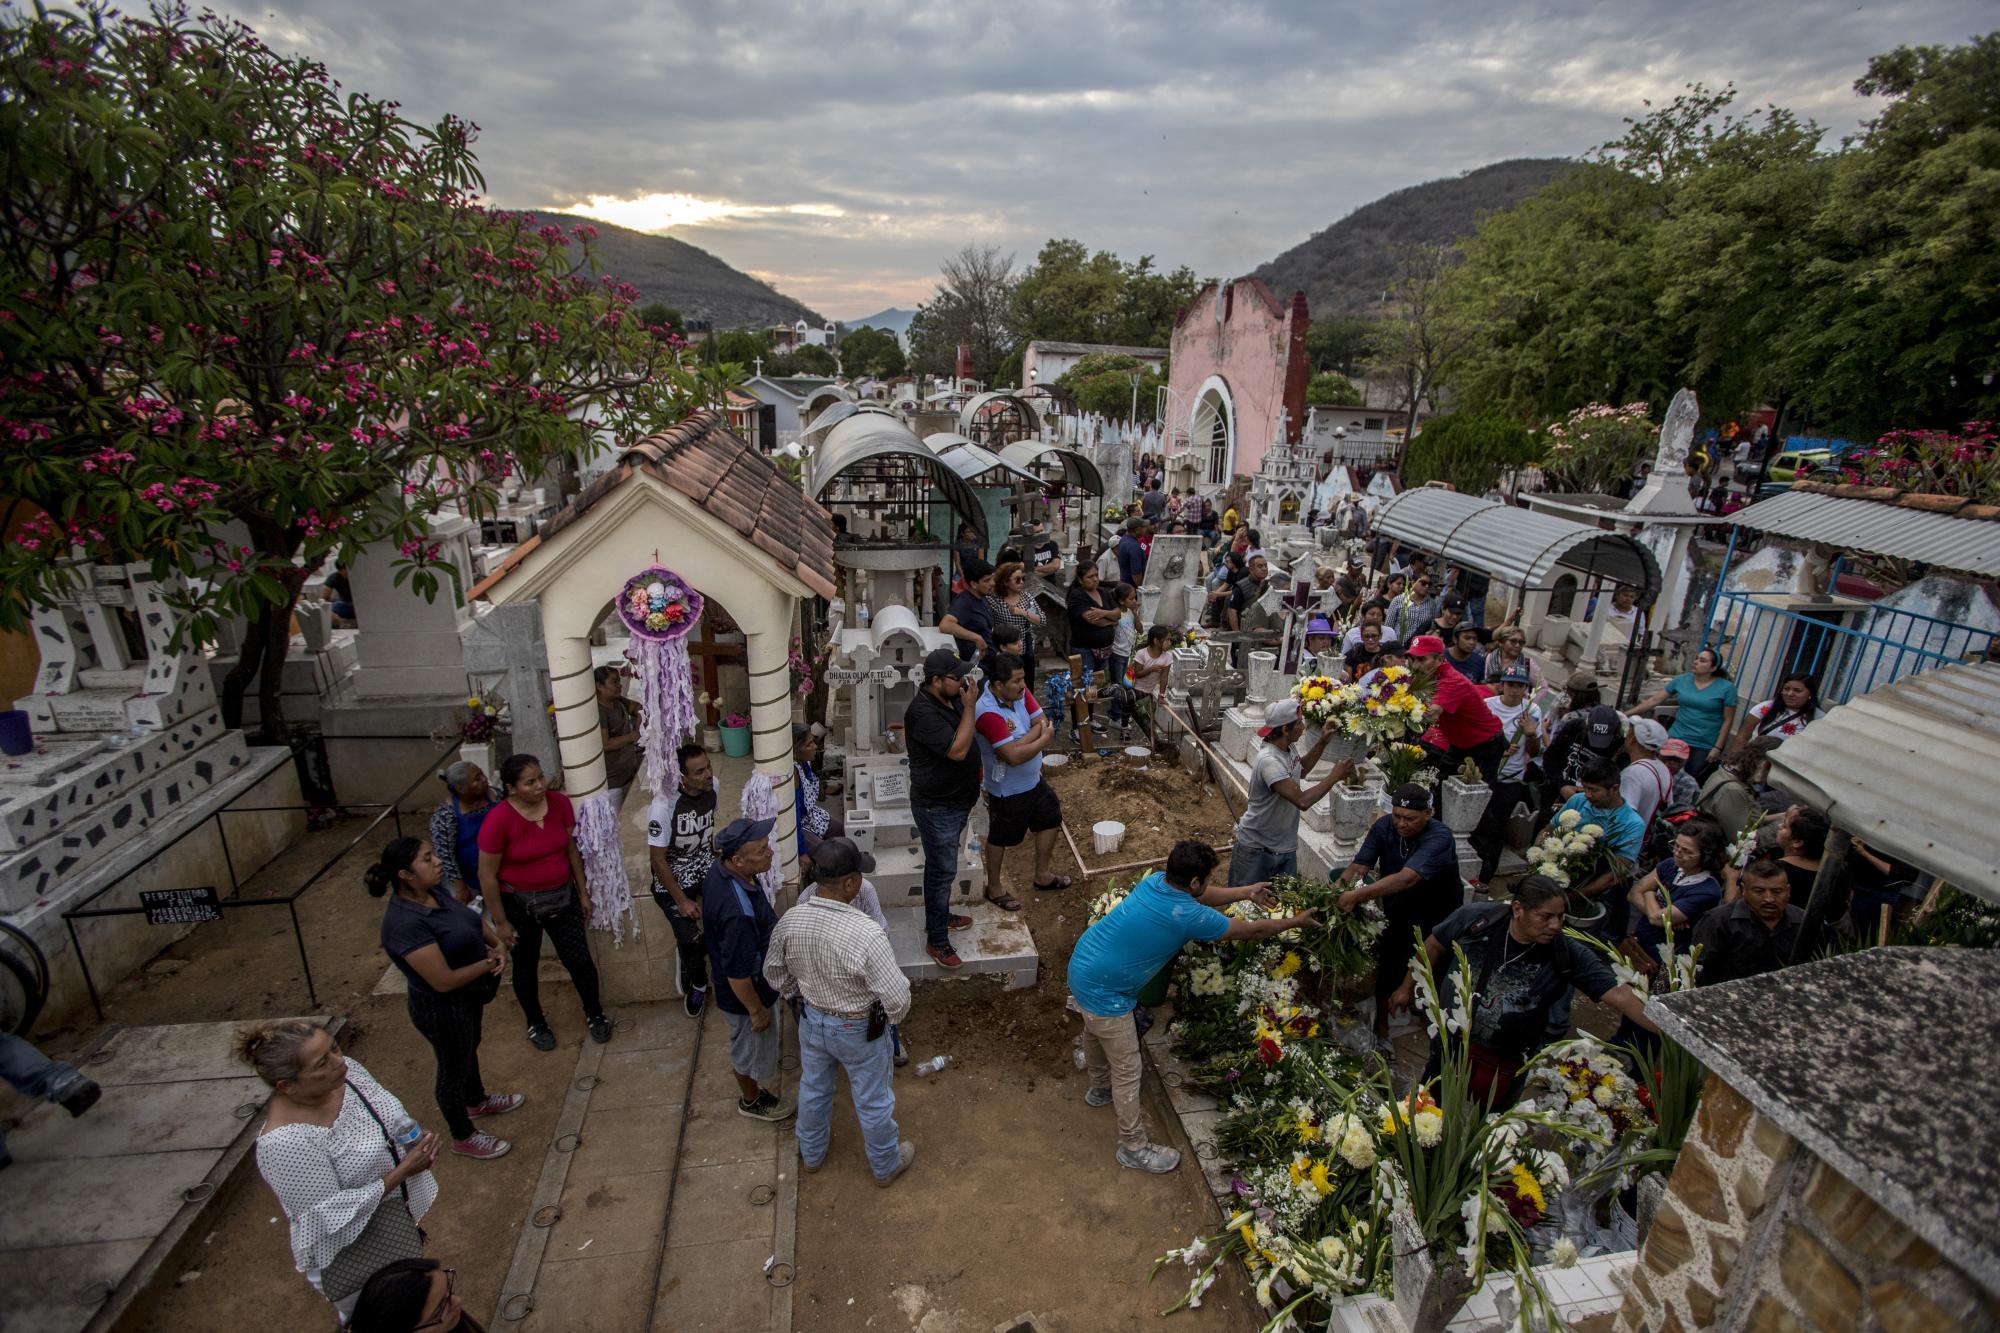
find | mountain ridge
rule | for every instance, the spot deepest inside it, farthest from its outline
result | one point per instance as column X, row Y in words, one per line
column 699, row 285
column 1345, row 268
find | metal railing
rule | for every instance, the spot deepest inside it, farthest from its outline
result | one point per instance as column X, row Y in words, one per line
column 390, row 810
column 1883, row 645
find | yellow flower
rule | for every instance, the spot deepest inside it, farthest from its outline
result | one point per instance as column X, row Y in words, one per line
column 1528, row 1187
column 1287, row 965
column 1308, row 1131
column 472, row 701
column 1299, row 1168
column 1320, row 1181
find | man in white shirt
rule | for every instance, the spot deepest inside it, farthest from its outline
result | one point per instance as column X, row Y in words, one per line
column 1521, row 728
column 1646, row 782
column 832, row 957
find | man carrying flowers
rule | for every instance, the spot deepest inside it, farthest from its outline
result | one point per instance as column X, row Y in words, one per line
column 1464, row 728
column 1267, row 836
column 1522, row 966
column 1119, row 953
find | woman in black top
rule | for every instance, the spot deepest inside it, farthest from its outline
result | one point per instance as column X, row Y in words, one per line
column 451, row 960
column 1093, row 622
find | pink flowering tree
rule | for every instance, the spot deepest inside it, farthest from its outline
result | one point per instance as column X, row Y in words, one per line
column 249, row 321
column 1597, row 447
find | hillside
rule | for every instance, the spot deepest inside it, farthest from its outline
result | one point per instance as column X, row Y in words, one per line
column 1344, row 269
column 689, row 279
column 892, row 320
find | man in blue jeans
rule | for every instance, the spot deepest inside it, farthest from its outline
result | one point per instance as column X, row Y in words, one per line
column 33, row 1074
column 1267, row 836
column 833, row 960
column 944, row 786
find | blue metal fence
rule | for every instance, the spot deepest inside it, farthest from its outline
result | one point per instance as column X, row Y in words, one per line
column 1848, row 649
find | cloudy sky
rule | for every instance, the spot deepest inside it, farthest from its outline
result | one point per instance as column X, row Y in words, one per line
column 839, row 150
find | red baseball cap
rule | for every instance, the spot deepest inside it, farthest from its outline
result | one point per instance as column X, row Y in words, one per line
column 1425, row 645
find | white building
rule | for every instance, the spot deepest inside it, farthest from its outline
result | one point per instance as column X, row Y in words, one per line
column 1047, row 362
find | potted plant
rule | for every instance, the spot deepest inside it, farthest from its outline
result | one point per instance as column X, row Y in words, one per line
column 1465, row 798
column 735, row 735
column 1356, row 804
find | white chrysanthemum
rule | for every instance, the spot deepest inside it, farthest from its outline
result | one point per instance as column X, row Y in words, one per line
column 1563, row 1253
column 1569, row 819
column 1536, row 855
column 1604, row 1096
column 1357, row 1148
column 1429, row 1127
column 1264, row 1290
column 1592, row 830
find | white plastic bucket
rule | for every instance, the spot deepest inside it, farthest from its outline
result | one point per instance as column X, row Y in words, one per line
column 1054, row 760
column 1106, row 835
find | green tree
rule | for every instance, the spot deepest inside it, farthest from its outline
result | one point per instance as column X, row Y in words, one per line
column 660, row 315
column 1342, row 343
column 867, row 351
column 237, row 300
column 742, row 346
column 1426, row 330
column 1071, row 295
column 1899, row 318
column 807, row 359
column 1327, row 387
column 1106, row 382
column 1469, row 450
column 974, row 296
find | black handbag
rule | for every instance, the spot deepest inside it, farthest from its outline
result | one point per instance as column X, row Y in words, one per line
column 392, row 1232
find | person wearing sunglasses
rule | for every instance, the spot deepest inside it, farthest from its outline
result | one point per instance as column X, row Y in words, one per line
column 412, row 1296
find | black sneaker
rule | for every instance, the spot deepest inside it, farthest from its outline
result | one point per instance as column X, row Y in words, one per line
column 81, row 1098
column 541, row 1038
column 768, row 1107
column 695, row 1001
column 600, row 1029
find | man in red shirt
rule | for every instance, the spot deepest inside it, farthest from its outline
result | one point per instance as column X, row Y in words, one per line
column 1462, row 726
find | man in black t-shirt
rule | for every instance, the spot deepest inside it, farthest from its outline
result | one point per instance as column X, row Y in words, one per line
column 680, row 833
column 1044, row 552
column 1521, row 964
column 1416, row 878
column 967, row 619
column 944, row 786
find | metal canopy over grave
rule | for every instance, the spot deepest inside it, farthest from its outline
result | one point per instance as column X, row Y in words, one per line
column 1078, row 472
column 874, row 463
column 1873, row 520
column 1514, row 546
column 1899, row 768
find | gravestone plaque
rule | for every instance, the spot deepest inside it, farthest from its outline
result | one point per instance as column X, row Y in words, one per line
column 180, row 907
column 892, row 787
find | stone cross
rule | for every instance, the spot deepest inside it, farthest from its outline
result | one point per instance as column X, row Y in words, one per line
column 1211, row 679
column 508, row 639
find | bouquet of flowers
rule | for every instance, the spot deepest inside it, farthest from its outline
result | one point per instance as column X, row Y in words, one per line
column 1192, row 637
column 1585, row 1084
column 1569, row 853
column 1324, row 701
column 482, row 718
column 650, row 604
column 1342, row 950
column 1392, row 707
column 1402, row 762
column 1101, row 905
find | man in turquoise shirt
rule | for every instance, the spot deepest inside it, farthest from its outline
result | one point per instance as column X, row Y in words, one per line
column 1120, row 953
column 1601, row 803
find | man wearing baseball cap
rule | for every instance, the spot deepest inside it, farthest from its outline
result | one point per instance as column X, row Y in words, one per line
column 944, row 786
column 1416, row 877
column 1320, row 657
column 1462, row 725
column 737, row 921
column 1521, row 729
column 1646, row 782
column 1674, row 754
column 1267, row 836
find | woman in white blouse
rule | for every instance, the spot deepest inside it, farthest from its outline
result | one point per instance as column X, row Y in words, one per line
column 325, row 1152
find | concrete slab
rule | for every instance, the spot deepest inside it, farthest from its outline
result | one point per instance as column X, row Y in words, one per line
column 715, row 1287
column 584, row 1293
column 717, row 1134
column 91, row 1200
column 713, row 1203
column 629, row 1079
column 57, row 1297
column 612, row 1214
column 203, row 1115
column 997, row 942
column 634, row 1139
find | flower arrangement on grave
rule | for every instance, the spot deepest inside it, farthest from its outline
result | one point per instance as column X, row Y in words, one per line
column 1569, row 853
column 484, row 715
column 1403, row 763
column 1192, row 637
column 659, row 610
column 1342, row 950
column 735, row 720
column 1101, row 905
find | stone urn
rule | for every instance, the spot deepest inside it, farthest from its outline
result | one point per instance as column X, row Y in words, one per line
column 1429, row 1285
column 1261, row 676
column 1463, row 803
column 1344, row 749
column 1355, row 809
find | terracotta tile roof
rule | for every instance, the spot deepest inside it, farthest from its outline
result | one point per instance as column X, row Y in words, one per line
column 707, row 462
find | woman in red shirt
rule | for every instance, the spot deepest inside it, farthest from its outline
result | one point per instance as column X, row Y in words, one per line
column 532, row 876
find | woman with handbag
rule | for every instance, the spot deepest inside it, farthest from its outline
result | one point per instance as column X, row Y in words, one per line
column 451, row 960
column 532, row 875
column 344, row 1158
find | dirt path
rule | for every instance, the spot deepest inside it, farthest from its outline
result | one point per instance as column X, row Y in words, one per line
column 1015, row 1204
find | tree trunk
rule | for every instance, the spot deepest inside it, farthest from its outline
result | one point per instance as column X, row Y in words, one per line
column 274, row 628
column 237, row 682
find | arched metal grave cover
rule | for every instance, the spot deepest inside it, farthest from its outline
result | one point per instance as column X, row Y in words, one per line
column 1006, row 414
column 976, row 463
column 817, row 400
column 878, row 442
column 1514, row 546
column 1079, row 473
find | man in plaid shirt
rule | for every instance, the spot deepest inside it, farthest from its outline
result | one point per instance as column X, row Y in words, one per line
column 831, row 954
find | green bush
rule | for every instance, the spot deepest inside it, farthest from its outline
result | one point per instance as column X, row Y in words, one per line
column 1467, row 449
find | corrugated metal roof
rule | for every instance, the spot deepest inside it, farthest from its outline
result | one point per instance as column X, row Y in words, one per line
column 1078, row 470
column 1911, row 769
column 1514, row 546
column 1971, row 546
column 974, row 461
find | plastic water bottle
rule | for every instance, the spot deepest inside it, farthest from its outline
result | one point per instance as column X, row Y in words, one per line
column 406, row 1134
column 932, row 1065
column 973, row 846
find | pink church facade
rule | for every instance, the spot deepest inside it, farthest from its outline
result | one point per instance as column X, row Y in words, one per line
column 1238, row 378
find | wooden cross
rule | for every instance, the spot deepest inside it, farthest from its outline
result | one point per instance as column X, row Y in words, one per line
column 712, row 654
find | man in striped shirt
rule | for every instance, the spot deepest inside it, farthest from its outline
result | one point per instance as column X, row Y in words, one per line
column 832, row 955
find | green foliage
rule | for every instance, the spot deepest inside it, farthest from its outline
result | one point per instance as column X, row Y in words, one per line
column 1328, row 387
column 1103, row 383
column 238, row 300
column 1071, row 295
column 805, row 359
column 742, row 346
column 1597, row 448
column 658, row 314
column 1341, row 343
column 1467, row 449
column 866, row 351
column 970, row 308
